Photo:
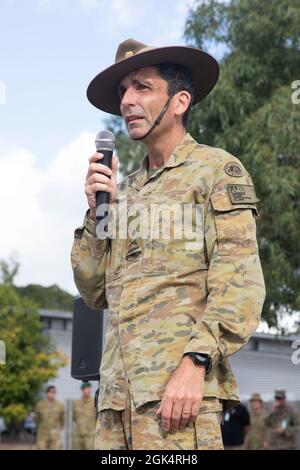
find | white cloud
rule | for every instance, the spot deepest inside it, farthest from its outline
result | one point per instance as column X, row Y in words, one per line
column 124, row 13
column 170, row 28
column 119, row 17
column 90, row 3
column 115, row 14
column 2, row 92
column 40, row 210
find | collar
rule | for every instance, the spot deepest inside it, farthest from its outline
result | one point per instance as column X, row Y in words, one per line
column 177, row 157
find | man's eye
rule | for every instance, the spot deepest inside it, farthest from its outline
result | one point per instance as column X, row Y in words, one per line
column 141, row 86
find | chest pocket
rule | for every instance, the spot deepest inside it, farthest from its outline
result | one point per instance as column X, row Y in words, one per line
column 175, row 235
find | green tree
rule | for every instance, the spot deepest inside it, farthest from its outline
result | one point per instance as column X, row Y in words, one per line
column 250, row 113
column 130, row 153
column 51, row 298
column 30, row 359
column 8, row 270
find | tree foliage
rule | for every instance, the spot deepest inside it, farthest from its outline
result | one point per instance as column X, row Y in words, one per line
column 51, row 297
column 8, row 270
column 250, row 113
column 130, row 153
column 30, row 358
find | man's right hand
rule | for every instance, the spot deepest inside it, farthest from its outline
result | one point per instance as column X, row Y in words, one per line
column 97, row 179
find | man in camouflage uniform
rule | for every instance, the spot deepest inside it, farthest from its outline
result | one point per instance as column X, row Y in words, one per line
column 283, row 424
column 50, row 418
column 179, row 305
column 256, row 438
column 84, row 416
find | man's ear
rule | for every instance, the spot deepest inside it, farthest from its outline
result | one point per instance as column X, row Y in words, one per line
column 183, row 102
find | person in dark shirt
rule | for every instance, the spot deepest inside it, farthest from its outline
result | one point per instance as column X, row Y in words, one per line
column 235, row 426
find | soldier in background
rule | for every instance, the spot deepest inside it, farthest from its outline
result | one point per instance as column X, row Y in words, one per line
column 235, row 427
column 283, row 424
column 84, row 416
column 50, row 418
column 256, row 439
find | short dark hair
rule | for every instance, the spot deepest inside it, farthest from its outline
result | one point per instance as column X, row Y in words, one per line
column 168, row 72
column 51, row 387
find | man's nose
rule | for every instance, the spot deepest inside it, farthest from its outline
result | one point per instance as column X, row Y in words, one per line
column 128, row 98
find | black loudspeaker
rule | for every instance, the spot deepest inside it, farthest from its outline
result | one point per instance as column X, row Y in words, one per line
column 87, row 341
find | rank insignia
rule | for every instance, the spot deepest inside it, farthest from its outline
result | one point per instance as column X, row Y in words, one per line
column 242, row 194
column 233, row 169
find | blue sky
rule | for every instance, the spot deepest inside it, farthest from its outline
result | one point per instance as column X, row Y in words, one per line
column 49, row 52
column 51, row 49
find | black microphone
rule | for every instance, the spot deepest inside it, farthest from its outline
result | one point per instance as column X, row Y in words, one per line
column 104, row 141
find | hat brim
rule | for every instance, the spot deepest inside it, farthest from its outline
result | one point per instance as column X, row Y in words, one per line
column 102, row 92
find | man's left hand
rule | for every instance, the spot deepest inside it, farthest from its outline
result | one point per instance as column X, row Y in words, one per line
column 183, row 395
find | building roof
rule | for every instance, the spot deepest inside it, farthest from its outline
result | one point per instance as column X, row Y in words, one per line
column 60, row 314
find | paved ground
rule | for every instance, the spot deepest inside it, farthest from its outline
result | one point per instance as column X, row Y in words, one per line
column 19, row 446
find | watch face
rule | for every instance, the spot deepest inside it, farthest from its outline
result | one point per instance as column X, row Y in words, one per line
column 201, row 359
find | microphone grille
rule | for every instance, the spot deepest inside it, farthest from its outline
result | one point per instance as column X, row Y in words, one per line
column 105, row 140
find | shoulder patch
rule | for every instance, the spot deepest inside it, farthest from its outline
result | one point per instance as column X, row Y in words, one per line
column 234, row 169
column 242, row 193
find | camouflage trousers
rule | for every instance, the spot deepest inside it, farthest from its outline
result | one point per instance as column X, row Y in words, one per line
column 84, row 442
column 49, row 441
column 140, row 429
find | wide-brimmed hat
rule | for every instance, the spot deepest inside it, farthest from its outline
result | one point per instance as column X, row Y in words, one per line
column 255, row 397
column 131, row 55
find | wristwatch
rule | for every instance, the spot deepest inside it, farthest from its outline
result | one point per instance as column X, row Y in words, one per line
column 200, row 360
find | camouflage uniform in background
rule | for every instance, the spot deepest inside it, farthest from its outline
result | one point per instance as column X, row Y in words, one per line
column 84, row 416
column 256, row 438
column 50, row 418
column 287, row 418
column 170, row 297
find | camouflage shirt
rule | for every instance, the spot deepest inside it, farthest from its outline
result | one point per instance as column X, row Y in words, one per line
column 49, row 416
column 287, row 418
column 170, row 296
column 256, row 438
column 84, row 415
